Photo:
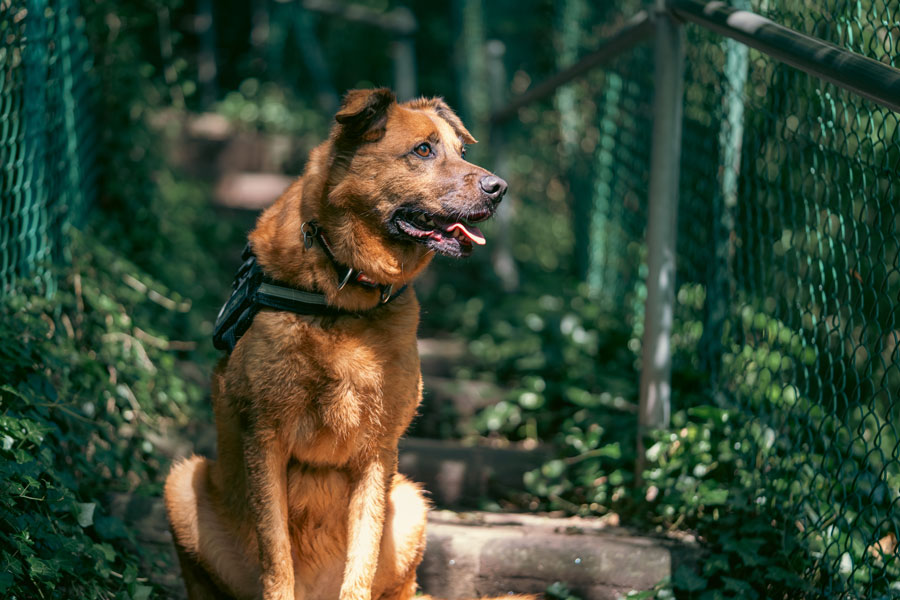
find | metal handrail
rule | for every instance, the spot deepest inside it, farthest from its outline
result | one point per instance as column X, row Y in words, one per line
column 859, row 74
column 633, row 32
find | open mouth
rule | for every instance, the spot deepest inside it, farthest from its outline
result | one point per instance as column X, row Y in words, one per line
column 448, row 235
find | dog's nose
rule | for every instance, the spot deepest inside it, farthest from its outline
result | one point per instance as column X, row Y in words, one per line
column 493, row 187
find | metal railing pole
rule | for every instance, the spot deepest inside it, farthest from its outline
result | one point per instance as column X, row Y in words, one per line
column 665, row 162
column 635, row 31
column 403, row 55
column 719, row 292
column 502, row 256
column 859, row 74
column 35, row 245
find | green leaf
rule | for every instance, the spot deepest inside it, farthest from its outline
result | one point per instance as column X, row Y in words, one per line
column 6, row 581
column 748, row 549
column 708, row 413
column 713, row 497
column 553, row 468
column 739, row 586
column 613, row 451
column 108, row 552
column 40, row 568
column 110, row 528
column 686, row 579
column 715, row 563
column 85, row 513
column 130, row 574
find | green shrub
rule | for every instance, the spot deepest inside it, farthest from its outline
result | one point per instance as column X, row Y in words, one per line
column 88, row 378
column 723, row 476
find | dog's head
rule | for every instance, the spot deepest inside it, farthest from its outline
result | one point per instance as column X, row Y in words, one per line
column 398, row 189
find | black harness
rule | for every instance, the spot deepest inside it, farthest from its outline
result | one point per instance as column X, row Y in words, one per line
column 253, row 290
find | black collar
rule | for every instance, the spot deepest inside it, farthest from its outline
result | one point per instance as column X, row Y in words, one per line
column 253, row 290
column 312, row 233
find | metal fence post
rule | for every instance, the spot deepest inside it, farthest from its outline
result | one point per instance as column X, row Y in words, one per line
column 719, row 280
column 35, row 243
column 502, row 256
column 665, row 162
column 403, row 55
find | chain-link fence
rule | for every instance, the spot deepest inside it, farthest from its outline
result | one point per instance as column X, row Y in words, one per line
column 622, row 175
column 46, row 173
column 788, row 280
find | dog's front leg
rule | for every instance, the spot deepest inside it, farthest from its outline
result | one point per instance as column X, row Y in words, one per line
column 366, row 525
column 266, row 464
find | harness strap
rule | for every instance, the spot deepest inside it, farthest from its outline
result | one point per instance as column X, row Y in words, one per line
column 253, row 290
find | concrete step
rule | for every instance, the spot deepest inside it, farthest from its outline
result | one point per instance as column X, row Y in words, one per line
column 449, row 401
column 460, row 476
column 476, row 554
column 250, row 191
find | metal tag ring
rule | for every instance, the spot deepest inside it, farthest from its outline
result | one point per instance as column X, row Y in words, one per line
column 309, row 230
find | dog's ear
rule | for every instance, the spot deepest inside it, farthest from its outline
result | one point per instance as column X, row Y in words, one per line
column 447, row 114
column 363, row 114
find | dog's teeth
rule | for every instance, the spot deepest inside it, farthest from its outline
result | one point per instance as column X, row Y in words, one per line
column 423, row 221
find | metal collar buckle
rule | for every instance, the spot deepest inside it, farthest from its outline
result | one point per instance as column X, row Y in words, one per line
column 386, row 292
column 310, row 230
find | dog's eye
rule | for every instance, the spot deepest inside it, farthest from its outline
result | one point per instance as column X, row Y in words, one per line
column 423, row 150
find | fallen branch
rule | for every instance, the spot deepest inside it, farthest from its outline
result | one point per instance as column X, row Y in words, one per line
column 163, row 344
column 155, row 296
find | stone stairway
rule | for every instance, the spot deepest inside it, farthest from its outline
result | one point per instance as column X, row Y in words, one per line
column 469, row 554
column 476, row 554
column 472, row 553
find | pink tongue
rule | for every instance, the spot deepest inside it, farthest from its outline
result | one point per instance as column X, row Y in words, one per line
column 473, row 233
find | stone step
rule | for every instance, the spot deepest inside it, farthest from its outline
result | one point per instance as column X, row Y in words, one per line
column 250, row 191
column 477, row 554
column 449, row 401
column 460, row 476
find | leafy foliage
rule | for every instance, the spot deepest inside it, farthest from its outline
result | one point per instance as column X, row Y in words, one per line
column 89, row 380
column 559, row 591
column 711, row 474
column 151, row 228
column 271, row 108
column 694, row 479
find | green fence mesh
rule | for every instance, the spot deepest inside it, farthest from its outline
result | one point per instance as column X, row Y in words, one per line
column 46, row 138
column 803, row 299
column 788, row 273
column 622, row 176
column 623, row 94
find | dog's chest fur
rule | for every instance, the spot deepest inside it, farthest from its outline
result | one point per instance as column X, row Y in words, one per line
column 334, row 388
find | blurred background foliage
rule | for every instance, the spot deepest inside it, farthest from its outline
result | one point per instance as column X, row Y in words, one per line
column 782, row 455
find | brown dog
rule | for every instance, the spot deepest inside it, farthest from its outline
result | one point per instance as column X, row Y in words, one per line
column 304, row 500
